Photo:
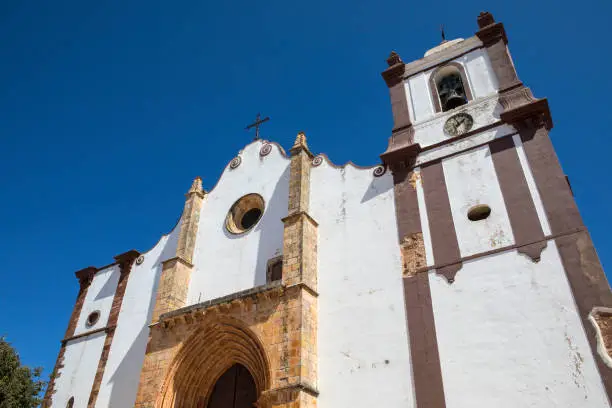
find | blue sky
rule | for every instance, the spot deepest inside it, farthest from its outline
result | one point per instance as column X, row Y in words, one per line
column 109, row 109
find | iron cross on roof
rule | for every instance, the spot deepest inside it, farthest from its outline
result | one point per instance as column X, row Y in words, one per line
column 256, row 124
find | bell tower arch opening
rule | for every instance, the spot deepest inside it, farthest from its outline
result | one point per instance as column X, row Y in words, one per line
column 449, row 87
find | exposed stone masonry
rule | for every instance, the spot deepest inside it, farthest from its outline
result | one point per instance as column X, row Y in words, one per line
column 176, row 272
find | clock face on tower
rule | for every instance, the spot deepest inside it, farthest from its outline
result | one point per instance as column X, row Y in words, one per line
column 458, row 124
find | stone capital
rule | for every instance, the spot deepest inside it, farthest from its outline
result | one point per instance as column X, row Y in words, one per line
column 168, row 263
column 86, row 275
column 531, row 114
column 489, row 31
column 126, row 258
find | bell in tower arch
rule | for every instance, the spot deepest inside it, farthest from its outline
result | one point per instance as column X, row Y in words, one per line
column 451, row 92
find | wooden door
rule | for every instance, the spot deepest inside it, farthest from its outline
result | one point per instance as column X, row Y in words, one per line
column 234, row 389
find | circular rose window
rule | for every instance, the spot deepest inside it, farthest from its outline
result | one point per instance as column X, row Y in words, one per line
column 93, row 318
column 245, row 214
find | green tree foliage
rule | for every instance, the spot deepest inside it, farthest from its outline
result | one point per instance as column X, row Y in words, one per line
column 20, row 386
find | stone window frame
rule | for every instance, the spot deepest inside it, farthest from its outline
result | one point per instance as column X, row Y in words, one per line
column 93, row 318
column 276, row 262
column 240, row 207
column 433, row 84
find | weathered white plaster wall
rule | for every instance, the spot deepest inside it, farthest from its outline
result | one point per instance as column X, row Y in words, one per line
column 479, row 71
column 420, row 97
column 484, row 111
column 424, row 217
column 122, row 373
column 461, row 145
column 509, row 335
column 362, row 337
column 77, row 375
column 227, row 263
column 471, row 180
column 99, row 297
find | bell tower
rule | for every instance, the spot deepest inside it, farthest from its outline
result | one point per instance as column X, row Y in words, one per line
column 479, row 192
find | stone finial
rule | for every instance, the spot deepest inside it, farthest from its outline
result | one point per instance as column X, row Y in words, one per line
column 300, row 140
column 394, row 58
column 484, row 19
column 196, row 186
column 300, row 145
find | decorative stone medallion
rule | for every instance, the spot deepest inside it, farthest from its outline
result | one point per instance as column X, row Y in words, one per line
column 317, row 161
column 379, row 171
column 265, row 149
column 140, row 260
column 235, row 162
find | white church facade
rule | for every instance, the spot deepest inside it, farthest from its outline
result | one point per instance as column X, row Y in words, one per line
column 457, row 273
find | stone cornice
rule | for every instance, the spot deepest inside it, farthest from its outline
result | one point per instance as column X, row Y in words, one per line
column 176, row 259
column 403, row 156
column 298, row 214
column 394, row 74
column 537, row 111
column 105, row 329
column 301, row 386
column 273, row 288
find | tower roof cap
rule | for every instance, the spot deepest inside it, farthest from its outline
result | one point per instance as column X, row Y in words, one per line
column 442, row 46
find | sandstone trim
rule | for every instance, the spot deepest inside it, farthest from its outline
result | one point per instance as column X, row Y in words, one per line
column 422, row 340
column 498, row 250
column 441, row 226
column 86, row 334
column 521, row 209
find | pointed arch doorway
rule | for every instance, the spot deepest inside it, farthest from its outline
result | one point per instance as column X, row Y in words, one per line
column 234, row 389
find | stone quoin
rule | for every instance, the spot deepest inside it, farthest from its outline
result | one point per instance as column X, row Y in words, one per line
column 457, row 273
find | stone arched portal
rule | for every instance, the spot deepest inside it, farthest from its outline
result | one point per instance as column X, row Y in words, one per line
column 211, row 352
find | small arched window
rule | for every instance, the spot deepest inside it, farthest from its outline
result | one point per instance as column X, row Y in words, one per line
column 70, row 403
column 449, row 87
